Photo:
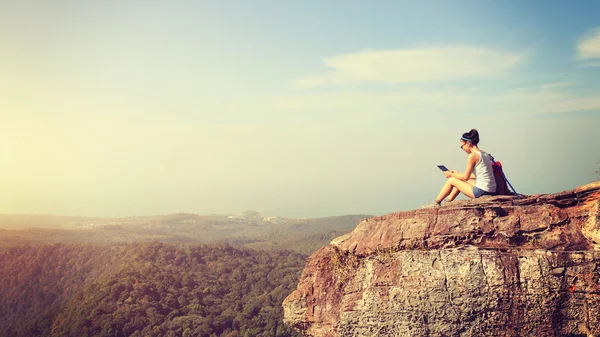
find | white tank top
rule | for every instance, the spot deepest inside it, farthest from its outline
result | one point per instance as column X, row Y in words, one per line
column 484, row 173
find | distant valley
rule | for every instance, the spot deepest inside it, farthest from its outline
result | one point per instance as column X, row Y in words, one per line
column 249, row 229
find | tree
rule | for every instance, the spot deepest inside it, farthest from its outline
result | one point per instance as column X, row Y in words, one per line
column 251, row 215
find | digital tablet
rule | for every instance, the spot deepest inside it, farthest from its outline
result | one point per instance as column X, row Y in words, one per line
column 443, row 168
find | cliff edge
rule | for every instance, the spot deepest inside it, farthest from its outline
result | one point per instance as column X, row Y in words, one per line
column 495, row 266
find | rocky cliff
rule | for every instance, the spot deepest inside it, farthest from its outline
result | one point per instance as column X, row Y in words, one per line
column 496, row 266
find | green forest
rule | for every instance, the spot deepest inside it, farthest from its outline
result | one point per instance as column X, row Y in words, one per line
column 250, row 230
column 145, row 289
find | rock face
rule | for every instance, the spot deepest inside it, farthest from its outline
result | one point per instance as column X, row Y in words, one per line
column 496, row 266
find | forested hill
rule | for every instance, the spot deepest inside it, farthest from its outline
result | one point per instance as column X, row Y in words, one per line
column 250, row 230
column 144, row 289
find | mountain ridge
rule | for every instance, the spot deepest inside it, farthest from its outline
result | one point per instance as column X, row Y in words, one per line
column 251, row 230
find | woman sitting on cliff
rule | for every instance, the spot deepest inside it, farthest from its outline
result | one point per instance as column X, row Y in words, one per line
column 477, row 180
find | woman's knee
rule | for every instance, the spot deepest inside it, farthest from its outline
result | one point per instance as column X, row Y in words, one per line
column 452, row 181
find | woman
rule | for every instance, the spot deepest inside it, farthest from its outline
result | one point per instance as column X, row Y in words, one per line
column 477, row 180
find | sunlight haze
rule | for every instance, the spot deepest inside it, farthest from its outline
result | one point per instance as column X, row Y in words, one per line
column 289, row 108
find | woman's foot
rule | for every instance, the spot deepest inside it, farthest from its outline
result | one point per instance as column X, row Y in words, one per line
column 446, row 202
column 434, row 204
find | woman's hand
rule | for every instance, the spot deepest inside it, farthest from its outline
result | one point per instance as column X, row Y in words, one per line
column 450, row 173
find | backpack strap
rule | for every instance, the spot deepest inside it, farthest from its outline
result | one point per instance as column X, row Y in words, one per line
column 504, row 177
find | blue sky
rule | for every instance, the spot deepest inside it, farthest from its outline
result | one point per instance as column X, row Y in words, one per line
column 293, row 108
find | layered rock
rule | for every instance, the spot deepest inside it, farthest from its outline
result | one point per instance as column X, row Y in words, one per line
column 496, row 266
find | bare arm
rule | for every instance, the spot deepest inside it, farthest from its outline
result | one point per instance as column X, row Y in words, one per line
column 468, row 174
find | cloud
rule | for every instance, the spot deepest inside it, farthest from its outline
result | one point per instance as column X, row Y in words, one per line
column 588, row 46
column 412, row 66
column 362, row 104
column 556, row 85
column 374, row 102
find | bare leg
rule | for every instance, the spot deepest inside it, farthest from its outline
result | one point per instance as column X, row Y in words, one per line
column 455, row 190
column 462, row 186
column 453, row 194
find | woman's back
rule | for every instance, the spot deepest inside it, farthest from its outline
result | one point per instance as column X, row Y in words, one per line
column 484, row 173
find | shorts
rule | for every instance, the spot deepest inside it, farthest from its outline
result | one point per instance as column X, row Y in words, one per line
column 478, row 192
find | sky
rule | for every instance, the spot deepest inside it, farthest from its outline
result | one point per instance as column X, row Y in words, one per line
column 289, row 108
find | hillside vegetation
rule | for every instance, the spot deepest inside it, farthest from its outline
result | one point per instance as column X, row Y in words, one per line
column 145, row 289
column 250, row 230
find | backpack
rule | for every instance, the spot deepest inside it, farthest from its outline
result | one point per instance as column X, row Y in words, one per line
column 502, row 183
column 501, row 187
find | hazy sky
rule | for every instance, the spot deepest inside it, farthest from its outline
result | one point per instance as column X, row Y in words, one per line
column 294, row 108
